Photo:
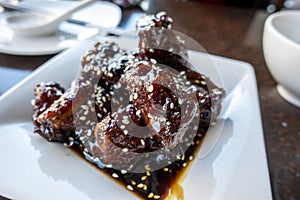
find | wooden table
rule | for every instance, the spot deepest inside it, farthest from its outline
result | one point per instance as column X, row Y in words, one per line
column 234, row 33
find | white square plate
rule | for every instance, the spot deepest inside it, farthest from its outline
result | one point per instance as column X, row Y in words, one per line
column 32, row 168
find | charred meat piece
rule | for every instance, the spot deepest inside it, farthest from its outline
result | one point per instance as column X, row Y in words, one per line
column 46, row 94
column 163, row 106
column 56, row 122
column 155, row 32
column 54, row 119
column 210, row 96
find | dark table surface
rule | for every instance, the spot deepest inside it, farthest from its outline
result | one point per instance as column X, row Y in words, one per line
column 234, row 33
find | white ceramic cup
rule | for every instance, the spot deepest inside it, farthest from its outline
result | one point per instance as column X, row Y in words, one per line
column 281, row 48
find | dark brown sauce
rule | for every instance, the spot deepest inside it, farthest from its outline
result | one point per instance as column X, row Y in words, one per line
column 160, row 184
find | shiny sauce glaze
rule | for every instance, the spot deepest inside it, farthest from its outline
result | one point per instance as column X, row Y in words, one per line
column 161, row 183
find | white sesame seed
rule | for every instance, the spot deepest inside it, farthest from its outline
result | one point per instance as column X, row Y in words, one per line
column 153, row 61
column 129, row 187
column 122, row 127
column 142, row 142
column 123, row 171
column 172, row 105
column 110, row 75
column 115, row 175
column 82, row 118
column 89, row 132
column 125, row 150
column 125, row 132
column 135, row 95
column 125, row 121
column 138, row 112
column 150, row 195
column 150, row 88
column 179, row 101
column 109, row 166
column 184, row 164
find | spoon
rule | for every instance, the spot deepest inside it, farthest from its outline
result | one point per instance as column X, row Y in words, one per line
column 39, row 24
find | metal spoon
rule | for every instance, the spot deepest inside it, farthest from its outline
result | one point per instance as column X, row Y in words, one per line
column 38, row 24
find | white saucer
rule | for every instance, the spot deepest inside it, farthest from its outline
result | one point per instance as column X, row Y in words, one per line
column 104, row 14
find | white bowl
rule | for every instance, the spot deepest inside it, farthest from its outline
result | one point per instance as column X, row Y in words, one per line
column 281, row 48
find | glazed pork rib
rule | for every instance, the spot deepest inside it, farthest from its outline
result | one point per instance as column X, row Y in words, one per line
column 124, row 104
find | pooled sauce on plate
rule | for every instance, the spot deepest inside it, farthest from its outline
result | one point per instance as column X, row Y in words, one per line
column 159, row 184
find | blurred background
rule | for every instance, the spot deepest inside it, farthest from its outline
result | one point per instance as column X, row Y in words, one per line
column 269, row 5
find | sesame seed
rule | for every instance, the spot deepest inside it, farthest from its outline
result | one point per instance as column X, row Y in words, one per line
column 125, row 121
column 129, row 187
column 147, row 167
column 197, row 81
column 183, row 157
column 109, row 166
column 110, row 75
column 195, row 128
column 153, row 61
column 191, row 158
column 151, row 195
column 145, row 187
column 179, row 101
column 150, row 89
column 166, row 169
column 203, row 82
column 138, row 112
column 148, row 173
column 156, row 197
column 125, row 150
column 114, row 175
column 144, row 178
column 172, row 105
column 125, row 132
column 142, row 142
column 122, row 127
column 184, row 164
column 135, row 95
column 133, row 182
column 89, row 132
column 123, row 171
column 140, row 185
column 82, row 118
